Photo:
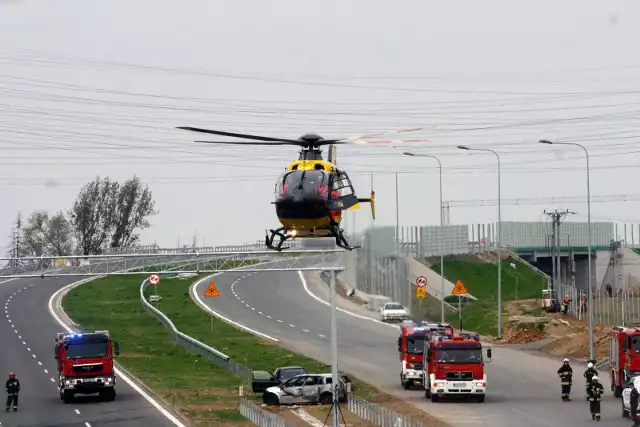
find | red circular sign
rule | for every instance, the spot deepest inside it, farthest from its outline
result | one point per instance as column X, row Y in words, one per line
column 154, row 279
column 421, row 281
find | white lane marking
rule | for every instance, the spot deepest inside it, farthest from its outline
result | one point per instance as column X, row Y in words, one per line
column 77, row 412
column 226, row 319
column 87, row 424
column 39, row 363
column 269, row 317
column 28, row 349
column 34, row 356
column 260, row 313
column 52, row 380
column 46, row 371
column 24, row 342
column 321, row 336
column 122, row 376
column 320, row 300
column 279, row 321
column 253, row 309
column 305, row 330
column 19, row 336
column 292, row 325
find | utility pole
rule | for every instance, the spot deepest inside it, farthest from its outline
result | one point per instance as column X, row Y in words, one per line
column 556, row 218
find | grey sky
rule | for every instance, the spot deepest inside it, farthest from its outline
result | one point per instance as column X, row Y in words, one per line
column 493, row 73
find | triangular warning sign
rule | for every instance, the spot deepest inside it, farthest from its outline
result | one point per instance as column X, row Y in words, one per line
column 459, row 289
column 211, row 291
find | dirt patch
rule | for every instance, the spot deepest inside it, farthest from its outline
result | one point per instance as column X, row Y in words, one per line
column 572, row 338
column 135, row 356
column 520, row 335
column 341, row 290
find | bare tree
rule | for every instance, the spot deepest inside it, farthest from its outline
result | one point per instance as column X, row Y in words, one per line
column 93, row 214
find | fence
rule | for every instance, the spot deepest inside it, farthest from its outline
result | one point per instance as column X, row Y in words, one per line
column 380, row 415
column 620, row 308
column 259, row 416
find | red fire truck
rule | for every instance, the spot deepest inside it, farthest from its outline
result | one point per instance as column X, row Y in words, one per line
column 85, row 364
column 624, row 356
column 411, row 347
column 454, row 366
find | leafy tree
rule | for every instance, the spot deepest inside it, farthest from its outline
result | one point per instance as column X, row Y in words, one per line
column 50, row 235
column 135, row 204
column 106, row 212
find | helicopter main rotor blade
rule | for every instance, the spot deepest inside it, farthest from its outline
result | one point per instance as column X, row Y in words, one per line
column 239, row 135
column 246, row 143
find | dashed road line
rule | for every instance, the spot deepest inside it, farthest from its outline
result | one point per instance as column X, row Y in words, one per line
column 77, row 411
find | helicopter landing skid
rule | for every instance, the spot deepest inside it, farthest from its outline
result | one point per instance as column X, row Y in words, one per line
column 269, row 240
column 341, row 241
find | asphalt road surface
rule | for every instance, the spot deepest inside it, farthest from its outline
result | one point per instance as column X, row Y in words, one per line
column 27, row 337
column 524, row 388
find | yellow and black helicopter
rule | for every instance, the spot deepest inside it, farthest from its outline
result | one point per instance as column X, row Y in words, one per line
column 312, row 193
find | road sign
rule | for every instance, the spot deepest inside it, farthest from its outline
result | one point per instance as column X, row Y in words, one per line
column 421, row 281
column 154, row 279
column 459, row 289
column 211, row 291
column 421, row 292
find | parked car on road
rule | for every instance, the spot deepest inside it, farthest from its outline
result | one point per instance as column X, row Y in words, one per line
column 393, row 311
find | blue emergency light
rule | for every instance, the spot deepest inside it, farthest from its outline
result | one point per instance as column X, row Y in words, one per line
column 419, row 329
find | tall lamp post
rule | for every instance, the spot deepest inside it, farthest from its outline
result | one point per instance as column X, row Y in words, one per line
column 441, row 230
column 589, row 300
column 498, row 232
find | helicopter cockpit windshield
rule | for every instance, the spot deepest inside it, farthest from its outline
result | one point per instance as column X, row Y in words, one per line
column 303, row 186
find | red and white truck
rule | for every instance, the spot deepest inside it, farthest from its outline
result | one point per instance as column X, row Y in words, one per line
column 85, row 364
column 454, row 366
column 624, row 357
column 411, row 343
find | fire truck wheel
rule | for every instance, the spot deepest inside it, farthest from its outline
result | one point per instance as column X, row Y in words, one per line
column 625, row 413
column 67, row 396
column 407, row 384
column 480, row 398
column 434, row 397
column 108, row 395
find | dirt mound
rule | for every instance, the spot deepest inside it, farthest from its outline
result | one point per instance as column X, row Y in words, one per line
column 519, row 335
column 572, row 338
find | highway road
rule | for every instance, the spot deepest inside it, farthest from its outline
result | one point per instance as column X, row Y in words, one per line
column 524, row 389
column 27, row 334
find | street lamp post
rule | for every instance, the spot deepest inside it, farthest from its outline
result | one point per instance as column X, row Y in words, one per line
column 498, row 232
column 441, row 231
column 589, row 297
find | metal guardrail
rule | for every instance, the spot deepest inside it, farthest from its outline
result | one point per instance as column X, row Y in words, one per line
column 259, row 416
column 379, row 415
column 192, row 344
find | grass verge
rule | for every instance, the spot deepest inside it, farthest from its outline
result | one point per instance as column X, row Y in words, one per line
column 208, row 395
column 480, row 278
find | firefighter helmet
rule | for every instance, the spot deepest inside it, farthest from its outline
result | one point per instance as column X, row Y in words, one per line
column 590, row 365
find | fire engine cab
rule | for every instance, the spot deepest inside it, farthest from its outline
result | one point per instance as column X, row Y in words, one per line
column 411, row 347
column 454, row 366
column 85, row 364
column 624, row 357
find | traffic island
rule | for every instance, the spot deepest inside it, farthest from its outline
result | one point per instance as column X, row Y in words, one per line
column 205, row 393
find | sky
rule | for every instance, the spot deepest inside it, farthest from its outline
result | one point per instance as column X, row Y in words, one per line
column 97, row 88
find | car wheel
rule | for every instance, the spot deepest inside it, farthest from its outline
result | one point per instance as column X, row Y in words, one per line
column 270, row 399
column 326, row 399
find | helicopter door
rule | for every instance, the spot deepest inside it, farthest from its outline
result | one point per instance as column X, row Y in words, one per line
column 342, row 194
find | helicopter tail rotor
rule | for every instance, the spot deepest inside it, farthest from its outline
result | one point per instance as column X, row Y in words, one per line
column 372, row 201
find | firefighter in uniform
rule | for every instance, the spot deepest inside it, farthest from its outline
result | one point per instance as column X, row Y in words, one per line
column 13, row 387
column 566, row 374
column 633, row 402
column 588, row 376
column 595, row 396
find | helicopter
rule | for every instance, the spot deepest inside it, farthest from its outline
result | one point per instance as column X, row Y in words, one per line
column 312, row 193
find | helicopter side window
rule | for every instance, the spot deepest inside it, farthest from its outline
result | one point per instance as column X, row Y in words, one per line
column 341, row 185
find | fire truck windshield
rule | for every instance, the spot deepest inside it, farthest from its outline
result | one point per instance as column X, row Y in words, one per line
column 415, row 345
column 636, row 344
column 87, row 350
column 459, row 354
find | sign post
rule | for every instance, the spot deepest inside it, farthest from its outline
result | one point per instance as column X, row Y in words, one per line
column 211, row 291
column 459, row 290
column 421, row 290
column 154, row 279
